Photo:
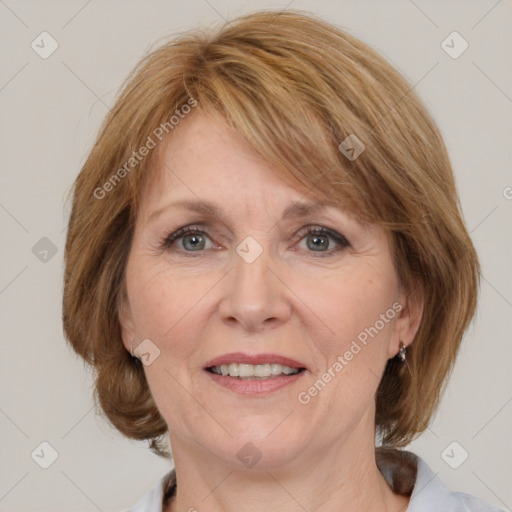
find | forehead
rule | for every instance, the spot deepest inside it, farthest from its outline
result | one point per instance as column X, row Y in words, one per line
column 209, row 168
column 206, row 168
column 204, row 159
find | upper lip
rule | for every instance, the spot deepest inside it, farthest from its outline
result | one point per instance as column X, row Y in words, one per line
column 241, row 358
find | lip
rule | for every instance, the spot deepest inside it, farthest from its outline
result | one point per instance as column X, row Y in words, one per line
column 254, row 387
column 241, row 358
column 257, row 387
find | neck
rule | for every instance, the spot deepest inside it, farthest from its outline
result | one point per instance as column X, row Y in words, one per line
column 343, row 477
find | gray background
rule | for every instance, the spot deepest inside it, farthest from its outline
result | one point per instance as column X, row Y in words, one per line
column 51, row 110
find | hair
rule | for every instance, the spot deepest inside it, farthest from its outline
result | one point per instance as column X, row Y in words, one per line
column 294, row 87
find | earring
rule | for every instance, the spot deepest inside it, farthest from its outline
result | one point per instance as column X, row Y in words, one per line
column 401, row 352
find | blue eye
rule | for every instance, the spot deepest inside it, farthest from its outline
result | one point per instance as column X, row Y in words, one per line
column 318, row 240
column 190, row 235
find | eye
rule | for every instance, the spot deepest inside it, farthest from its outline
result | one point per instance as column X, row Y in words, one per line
column 192, row 238
column 318, row 239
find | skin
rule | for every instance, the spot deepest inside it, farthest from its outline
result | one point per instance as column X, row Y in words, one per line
column 295, row 299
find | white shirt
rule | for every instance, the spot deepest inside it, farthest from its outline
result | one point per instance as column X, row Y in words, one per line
column 429, row 494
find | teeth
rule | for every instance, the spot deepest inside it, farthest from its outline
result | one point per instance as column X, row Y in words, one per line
column 261, row 371
column 275, row 369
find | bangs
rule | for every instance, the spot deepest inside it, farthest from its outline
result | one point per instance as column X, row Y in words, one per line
column 287, row 113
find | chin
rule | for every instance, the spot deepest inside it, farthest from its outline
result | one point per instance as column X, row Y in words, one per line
column 262, row 450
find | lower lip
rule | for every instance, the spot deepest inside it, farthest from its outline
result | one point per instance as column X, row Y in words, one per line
column 254, row 387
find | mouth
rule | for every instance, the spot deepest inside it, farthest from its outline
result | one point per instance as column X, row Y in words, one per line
column 254, row 371
column 254, row 374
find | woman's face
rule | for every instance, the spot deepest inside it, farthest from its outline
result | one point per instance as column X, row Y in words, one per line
column 250, row 292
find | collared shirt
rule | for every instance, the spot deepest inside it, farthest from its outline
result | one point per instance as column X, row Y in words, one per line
column 428, row 494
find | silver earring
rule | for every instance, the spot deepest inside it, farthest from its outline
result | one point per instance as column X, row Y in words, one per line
column 402, row 351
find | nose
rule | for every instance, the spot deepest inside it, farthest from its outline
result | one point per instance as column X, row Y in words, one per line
column 256, row 297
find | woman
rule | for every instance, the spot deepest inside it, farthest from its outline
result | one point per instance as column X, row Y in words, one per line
column 267, row 266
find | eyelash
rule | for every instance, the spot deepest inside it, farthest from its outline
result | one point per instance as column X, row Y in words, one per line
column 166, row 242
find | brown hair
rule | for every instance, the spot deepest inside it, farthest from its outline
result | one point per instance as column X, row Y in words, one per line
column 294, row 87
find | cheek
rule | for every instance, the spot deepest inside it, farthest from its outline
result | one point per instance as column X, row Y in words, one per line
column 353, row 351
column 166, row 310
column 356, row 305
column 162, row 308
column 159, row 300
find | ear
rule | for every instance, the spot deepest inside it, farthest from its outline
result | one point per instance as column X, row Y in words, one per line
column 409, row 309
column 126, row 322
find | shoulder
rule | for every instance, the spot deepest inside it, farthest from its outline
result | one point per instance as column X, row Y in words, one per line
column 430, row 494
column 152, row 501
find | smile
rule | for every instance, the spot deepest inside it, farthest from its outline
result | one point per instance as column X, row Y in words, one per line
column 254, row 371
column 254, row 374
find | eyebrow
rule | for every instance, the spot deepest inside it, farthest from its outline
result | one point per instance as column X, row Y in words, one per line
column 294, row 210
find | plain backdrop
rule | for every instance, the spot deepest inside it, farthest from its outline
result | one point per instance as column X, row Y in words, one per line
column 51, row 110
